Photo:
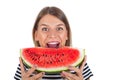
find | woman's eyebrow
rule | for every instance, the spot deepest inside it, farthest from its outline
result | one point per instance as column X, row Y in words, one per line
column 60, row 25
column 43, row 25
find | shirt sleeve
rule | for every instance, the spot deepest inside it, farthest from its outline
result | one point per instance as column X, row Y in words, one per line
column 18, row 73
column 87, row 73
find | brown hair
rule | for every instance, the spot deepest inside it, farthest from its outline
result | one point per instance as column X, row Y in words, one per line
column 57, row 13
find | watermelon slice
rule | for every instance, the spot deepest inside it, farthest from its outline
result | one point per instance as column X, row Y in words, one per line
column 52, row 60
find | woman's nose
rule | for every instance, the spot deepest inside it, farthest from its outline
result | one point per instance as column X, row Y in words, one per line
column 52, row 33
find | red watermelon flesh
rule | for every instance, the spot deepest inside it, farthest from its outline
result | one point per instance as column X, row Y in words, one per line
column 52, row 59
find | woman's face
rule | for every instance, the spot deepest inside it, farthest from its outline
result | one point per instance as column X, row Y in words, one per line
column 51, row 32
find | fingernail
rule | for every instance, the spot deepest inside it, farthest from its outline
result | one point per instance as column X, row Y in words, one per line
column 43, row 73
column 62, row 75
column 35, row 66
column 70, row 66
column 63, row 72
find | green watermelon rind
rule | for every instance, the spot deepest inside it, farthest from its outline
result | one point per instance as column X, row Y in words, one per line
column 55, row 70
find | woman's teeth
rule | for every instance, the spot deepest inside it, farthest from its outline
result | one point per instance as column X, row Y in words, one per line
column 53, row 44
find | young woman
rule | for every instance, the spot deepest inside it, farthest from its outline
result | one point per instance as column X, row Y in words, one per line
column 52, row 30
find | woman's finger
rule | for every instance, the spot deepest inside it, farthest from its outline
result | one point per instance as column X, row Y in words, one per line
column 30, row 71
column 83, row 63
column 21, row 65
column 77, row 70
column 69, row 76
column 37, row 76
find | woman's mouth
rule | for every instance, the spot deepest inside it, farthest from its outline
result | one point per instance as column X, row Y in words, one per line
column 53, row 44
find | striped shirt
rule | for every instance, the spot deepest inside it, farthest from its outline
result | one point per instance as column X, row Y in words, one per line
column 86, row 74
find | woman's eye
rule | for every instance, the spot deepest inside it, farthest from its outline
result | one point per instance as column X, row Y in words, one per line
column 44, row 29
column 59, row 28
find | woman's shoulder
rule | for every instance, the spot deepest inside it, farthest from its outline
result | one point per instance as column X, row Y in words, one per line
column 87, row 73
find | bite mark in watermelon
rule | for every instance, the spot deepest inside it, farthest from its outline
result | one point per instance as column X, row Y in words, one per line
column 52, row 60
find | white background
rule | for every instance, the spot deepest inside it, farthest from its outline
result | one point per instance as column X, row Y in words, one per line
column 95, row 26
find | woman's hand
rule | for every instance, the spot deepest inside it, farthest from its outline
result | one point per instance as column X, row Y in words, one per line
column 78, row 75
column 25, row 75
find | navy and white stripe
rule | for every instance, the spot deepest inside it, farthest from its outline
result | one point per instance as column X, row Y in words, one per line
column 86, row 74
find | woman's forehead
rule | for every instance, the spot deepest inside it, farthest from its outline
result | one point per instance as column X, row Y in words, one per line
column 50, row 20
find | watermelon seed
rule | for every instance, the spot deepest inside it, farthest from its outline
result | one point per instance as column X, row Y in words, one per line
column 27, row 50
column 61, row 60
column 45, row 55
column 62, row 54
column 58, row 60
column 57, row 54
column 47, row 62
column 38, row 57
column 34, row 59
column 50, row 62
